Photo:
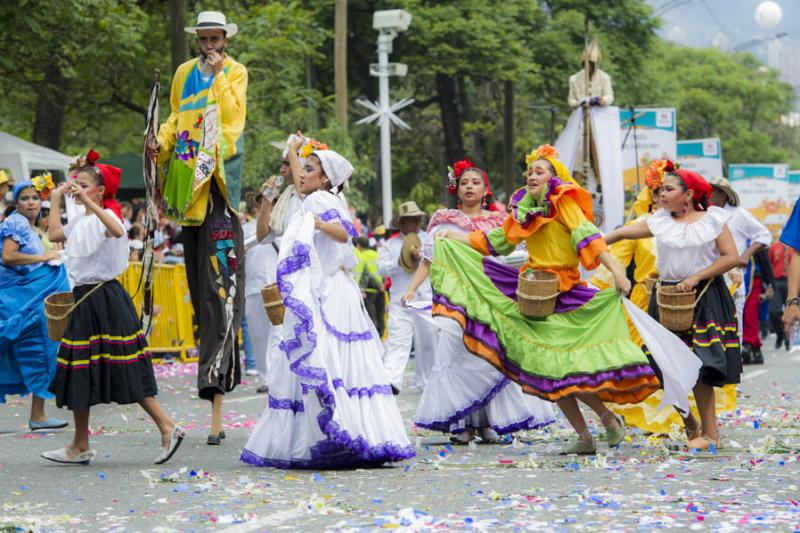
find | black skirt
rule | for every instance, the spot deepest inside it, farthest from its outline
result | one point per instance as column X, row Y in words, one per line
column 714, row 336
column 103, row 357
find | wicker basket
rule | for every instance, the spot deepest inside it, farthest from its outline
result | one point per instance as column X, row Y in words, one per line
column 537, row 291
column 273, row 303
column 675, row 309
column 57, row 308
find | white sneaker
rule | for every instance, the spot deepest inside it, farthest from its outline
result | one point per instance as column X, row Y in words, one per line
column 251, row 372
column 61, row 456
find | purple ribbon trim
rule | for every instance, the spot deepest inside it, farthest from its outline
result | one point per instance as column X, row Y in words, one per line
column 353, row 336
column 348, row 226
column 295, row 406
column 486, row 336
column 369, row 392
column 506, row 278
column 338, row 449
column 531, row 215
column 522, row 425
column 585, row 242
column 480, row 403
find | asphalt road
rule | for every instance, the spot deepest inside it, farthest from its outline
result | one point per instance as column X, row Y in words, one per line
column 751, row 483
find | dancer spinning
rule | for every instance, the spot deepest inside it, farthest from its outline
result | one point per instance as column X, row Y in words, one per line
column 103, row 356
column 330, row 404
column 695, row 249
column 27, row 355
column 464, row 395
column 582, row 351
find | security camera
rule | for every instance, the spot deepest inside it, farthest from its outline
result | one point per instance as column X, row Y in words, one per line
column 392, row 20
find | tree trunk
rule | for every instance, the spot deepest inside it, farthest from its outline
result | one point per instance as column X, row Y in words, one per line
column 340, row 61
column 478, row 151
column 508, row 138
column 179, row 45
column 50, row 108
column 451, row 121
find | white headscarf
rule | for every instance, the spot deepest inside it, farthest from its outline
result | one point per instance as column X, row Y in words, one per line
column 336, row 168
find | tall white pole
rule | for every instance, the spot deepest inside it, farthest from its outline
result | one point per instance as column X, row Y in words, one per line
column 384, row 48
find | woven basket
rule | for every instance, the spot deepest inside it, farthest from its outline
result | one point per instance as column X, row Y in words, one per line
column 537, row 291
column 57, row 308
column 675, row 309
column 273, row 303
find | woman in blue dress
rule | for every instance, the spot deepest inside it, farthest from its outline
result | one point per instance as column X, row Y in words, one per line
column 27, row 355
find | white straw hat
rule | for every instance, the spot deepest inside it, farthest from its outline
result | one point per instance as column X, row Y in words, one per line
column 213, row 20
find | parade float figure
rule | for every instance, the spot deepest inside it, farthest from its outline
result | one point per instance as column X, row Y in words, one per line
column 644, row 253
column 583, row 350
column 103, row 356
column 202, row 143
column 28, row 274
column 695, row 250
column 330, row 404
column 465, row 396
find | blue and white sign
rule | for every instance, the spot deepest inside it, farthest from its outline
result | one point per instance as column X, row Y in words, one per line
column 703, row 156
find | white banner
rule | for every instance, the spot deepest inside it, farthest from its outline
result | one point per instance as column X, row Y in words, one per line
column 764, row 190
column 648, row 134
column 703, row 156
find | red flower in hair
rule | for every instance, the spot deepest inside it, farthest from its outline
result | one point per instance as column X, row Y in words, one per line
column 460, row 166
column 92, row 157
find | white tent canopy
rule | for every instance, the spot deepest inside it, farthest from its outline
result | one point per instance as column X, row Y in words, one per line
column 20, row 157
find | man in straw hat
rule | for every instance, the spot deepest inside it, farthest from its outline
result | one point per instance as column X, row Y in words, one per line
column 750, row 235
column 398, row 259
column 201, row 146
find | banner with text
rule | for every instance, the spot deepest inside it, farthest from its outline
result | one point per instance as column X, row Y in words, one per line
column 703, row 156
column 647, row 134
column 764, row 190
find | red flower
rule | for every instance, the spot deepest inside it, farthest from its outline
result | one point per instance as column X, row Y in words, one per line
column 460, row 166
column 92, row 157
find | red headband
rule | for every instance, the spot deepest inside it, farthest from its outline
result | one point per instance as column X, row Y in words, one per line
column 699, row 186
column 111, row 177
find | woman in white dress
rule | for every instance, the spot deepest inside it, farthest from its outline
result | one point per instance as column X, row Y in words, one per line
column 464, row 395
column 330, row 404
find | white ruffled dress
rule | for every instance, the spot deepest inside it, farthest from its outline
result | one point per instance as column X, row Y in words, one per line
column 330, row 404
column 464, row 391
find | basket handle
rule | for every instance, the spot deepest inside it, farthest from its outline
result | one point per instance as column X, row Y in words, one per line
column 76, row 304
column 679, row 307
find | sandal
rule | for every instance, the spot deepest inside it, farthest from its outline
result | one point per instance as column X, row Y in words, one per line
column 580, row 447
column 488, row 436
column 465, row 437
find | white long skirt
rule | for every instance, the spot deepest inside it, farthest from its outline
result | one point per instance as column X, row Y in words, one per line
column 330, row 404
column 465, row 392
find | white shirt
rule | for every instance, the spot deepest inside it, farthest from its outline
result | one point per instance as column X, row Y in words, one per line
column 91, row 256
column 388, row 265
column 686, row 248
column 746, row 227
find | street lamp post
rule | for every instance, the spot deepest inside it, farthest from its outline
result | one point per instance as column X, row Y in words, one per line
column 389, row 23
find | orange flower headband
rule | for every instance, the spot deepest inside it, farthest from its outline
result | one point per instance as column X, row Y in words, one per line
column 655, row 172
column 310, row 146
column 549, row 153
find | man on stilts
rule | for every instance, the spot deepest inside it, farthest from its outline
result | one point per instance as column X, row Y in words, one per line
column 201, row 147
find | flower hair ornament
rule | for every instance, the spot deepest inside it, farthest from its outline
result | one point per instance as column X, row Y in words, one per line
column 310, row 146
column 79, row 162
column 43, row 183
column 550, row 154
column 455, row 172
column 656, row 170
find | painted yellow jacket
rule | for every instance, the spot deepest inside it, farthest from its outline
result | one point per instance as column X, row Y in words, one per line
column 203, row 133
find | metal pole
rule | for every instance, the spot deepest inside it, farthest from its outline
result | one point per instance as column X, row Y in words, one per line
column 384, row 48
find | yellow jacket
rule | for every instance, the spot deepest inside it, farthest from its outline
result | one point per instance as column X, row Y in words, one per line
column 207, row 119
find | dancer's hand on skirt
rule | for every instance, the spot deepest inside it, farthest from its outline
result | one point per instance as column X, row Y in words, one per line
column 688, row 284
column 735, row 275
column 407, row 297
column 622, row 284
